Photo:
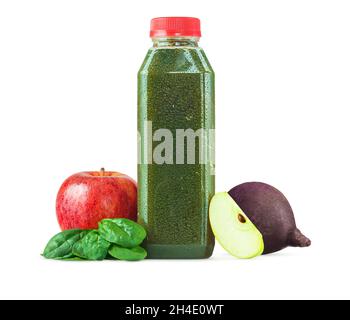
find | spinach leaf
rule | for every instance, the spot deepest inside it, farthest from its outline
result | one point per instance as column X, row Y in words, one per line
column 133, row 254
column 61, row 245
column 123, row 232
column 73, row 258
column 91, row 247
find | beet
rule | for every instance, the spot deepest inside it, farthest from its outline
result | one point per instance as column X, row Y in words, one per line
column 271, row 213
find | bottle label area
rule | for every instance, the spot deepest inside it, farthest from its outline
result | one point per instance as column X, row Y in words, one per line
column 164, row 146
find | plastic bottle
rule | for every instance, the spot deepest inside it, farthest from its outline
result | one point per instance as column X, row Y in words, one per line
column 176, row 178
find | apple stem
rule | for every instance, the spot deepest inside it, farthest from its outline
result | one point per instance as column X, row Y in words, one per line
column 102, row 172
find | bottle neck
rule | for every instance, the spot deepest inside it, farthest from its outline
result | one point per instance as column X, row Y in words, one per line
column 175, row 42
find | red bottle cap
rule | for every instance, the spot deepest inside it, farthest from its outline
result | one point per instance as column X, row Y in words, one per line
column 175, row 27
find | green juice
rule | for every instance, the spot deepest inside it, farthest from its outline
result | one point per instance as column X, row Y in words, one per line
column 176, row 147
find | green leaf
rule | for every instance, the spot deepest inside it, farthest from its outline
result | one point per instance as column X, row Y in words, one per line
column 73, row 258
column 123, row 232
column 133, row 254
column 61, row 245
column 91, row 247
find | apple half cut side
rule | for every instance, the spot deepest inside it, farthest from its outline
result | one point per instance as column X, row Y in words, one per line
column 233, row 229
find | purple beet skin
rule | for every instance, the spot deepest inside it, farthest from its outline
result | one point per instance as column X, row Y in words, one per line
column 271, row 213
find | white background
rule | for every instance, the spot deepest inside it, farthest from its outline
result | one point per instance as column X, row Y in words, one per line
column 68, row 104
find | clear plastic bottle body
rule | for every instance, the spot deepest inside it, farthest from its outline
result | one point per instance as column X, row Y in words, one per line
column 176, row 122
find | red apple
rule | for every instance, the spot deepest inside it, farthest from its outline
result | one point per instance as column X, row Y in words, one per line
column 86, row 198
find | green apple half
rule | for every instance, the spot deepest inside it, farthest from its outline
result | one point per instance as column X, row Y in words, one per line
column 233, row 229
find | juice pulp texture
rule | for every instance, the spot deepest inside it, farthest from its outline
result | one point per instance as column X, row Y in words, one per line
column 176, row 91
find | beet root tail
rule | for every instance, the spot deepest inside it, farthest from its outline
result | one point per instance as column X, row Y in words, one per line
column 297, row 239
